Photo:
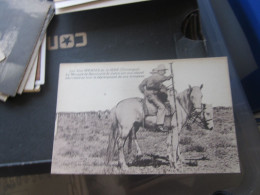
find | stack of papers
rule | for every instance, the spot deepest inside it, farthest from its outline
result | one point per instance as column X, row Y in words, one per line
column 66, row 6
column 22, row 45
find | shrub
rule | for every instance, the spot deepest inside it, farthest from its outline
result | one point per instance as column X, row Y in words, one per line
column 185, row 140
column 195, row 148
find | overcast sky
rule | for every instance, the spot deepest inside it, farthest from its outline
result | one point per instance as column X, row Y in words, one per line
column 88, row 94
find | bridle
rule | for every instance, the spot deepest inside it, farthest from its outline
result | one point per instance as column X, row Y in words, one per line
column 193, row 117
column 203, row 121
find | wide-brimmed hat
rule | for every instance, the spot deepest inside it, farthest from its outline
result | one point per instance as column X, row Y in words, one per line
column 161, row 67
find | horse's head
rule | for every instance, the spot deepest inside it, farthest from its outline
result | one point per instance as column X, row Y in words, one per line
column 195, row 96
column 207, row 116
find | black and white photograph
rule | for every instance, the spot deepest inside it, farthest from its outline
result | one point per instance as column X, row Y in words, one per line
column 145, row 117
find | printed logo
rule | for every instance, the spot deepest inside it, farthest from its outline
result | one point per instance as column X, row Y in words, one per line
column 67, row 41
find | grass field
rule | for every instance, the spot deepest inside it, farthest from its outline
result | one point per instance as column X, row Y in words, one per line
column 81, row 141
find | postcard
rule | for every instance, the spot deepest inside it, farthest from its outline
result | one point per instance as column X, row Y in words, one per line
column 145, row 117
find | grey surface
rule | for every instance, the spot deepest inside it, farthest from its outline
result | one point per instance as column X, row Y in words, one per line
column 25, row 142
column 247, row 133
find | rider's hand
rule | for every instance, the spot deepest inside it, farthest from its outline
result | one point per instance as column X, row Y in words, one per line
column 170, row 76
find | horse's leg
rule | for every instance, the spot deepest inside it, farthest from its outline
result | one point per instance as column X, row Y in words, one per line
column 169, row 150
column 132, row 136
column 175, row 144
column 124, row 133
column 179, row 156
column 172, row 147
column 136, row 128
column 181, row 124
column 130, row 139
column 121, row 156
column 111, row 146
column 139, row 152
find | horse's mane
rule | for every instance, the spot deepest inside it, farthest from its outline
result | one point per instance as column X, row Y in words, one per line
column 183, row 98
column 183, row 93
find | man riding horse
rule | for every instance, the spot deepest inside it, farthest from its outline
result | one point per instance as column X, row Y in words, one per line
column 156, row 93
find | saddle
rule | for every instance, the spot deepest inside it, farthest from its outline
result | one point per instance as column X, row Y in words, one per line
column 151, row 110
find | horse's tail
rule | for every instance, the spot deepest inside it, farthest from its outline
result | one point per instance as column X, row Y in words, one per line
column 112, row 136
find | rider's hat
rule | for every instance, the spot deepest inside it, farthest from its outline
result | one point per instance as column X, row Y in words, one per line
column 161, row 67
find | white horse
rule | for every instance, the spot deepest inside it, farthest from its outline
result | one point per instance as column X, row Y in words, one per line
column 129, row 115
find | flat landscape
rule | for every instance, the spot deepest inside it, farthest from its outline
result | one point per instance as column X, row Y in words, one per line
column 81, row 141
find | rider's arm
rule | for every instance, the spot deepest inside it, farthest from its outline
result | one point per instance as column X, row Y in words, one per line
column 165, row 78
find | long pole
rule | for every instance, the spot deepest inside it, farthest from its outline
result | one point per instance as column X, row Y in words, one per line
column 174, row 98
column 175, row 130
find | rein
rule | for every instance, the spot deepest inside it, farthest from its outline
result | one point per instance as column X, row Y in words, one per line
column 203, row 121
column 192, row 118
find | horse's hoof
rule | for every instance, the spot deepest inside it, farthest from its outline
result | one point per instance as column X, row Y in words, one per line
column 123, row 166
column 172, row 165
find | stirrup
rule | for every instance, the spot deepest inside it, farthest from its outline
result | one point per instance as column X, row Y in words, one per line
column 162, row 128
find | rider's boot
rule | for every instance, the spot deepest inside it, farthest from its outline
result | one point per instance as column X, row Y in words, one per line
column 162, row 128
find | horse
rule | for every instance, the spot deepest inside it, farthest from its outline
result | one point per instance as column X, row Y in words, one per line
column 129, row 115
